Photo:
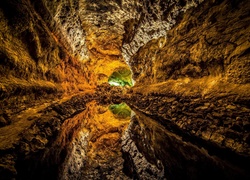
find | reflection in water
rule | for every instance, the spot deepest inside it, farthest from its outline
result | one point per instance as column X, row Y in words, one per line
column 121, row 111
column 103, row 142
column 153, row 152
column 95, row 152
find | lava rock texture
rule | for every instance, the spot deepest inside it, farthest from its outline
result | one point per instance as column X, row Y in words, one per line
column 190, row 62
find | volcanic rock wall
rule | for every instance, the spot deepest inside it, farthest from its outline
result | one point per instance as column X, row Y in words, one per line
column 189, row 59
column 197, row 76
column 211, row 40
column 55, row 47
column 38, row 59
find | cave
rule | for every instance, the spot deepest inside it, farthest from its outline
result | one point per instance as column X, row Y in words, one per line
column 124, row 89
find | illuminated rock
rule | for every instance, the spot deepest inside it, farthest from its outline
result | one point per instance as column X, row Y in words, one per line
column 183, row 63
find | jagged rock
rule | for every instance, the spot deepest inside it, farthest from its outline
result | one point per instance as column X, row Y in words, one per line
column 190, row 66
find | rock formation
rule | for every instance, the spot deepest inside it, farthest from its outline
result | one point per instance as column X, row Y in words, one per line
column 190, row 68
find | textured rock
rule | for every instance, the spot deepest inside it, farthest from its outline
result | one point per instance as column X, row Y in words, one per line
column 31, row 133
column 205, row 42
column 153, row 152
column 152, row 20
column 191, row 80
column 213, row 118
column 190, row 62
column 137, row 166
column 35, row 61
column 86, row 145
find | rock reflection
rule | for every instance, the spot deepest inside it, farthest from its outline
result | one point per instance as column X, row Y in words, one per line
column 95, row 151
column 107, row 142
column 121, row 111
column 153, row 152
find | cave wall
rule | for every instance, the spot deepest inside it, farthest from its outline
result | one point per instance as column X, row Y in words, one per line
column 197, row 76
column 48, row 43
column 210, row 40
column 39, row 59
column 189, row 59
column 50, row 48
column 151, row 21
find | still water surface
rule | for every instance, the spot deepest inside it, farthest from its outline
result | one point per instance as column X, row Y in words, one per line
column 114, row 142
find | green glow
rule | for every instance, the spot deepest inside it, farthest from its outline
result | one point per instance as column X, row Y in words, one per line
column 121, row 77
column 121, row 111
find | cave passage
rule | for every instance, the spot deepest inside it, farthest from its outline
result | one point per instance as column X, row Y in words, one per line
column 121, row 77
column 124, row 89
